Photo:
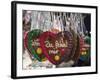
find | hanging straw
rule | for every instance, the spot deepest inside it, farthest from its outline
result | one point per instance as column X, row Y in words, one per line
column 66, row 22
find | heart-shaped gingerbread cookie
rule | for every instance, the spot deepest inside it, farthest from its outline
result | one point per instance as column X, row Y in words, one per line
column 33, row 45
column 56, row 47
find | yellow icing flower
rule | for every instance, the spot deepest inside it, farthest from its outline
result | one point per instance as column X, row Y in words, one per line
column 39, row 51
column 57, row 57
column 84, row 53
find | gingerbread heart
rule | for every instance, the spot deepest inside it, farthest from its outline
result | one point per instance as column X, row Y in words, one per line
column 33, row 45
column 56, row 47
column 85, row 49
column 76, row 48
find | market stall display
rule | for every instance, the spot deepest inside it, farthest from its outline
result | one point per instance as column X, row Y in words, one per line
column 57, row 38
